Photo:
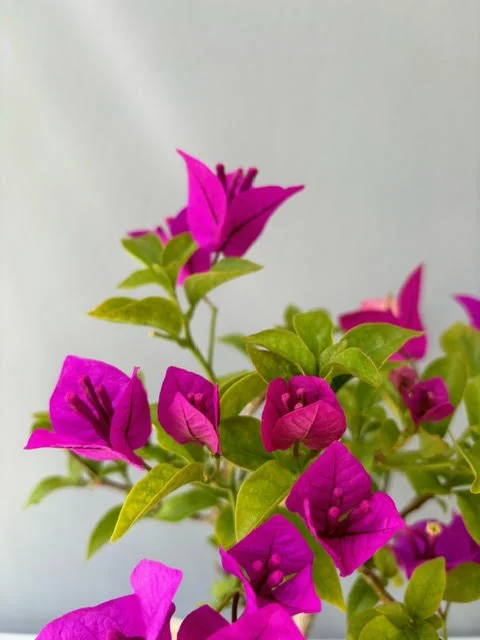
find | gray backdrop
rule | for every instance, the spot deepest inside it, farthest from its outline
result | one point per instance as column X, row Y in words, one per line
column 373, row 104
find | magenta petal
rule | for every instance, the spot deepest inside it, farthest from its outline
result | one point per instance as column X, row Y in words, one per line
column 365, row 536
column 188, row 408
column 472, row 307
column 200, row 260
column 187, row 424
column 231, row 566
column 207, row 204
column 248, row 214
column 94, row 623
column 409, row 314
column 131, row 424
column 317, row 425
column 298, row 594
column 336, row 468
column 42, row 438
column 201, row 624
column 438, row 413
column 155, row 585
column 64, row 419
column 268, row 623
column 456, row 545
column 409, row 300
column 279, row 536
column 349, row 320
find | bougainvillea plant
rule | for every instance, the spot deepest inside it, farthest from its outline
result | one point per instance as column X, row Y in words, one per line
column 286, row 464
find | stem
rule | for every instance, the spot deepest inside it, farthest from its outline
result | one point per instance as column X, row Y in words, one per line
column 415, row 504
column 374, row 582
column 235, row 601
column 213, row 327
column 223, row 603
column 444, row 615
column 254, row 405
column 190, row 344
column 99, row 480
column 305, row 623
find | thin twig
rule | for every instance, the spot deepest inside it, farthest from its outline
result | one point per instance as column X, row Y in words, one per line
column 375, row 583
column 254, row 405
column 305, row 622
column 235, row 601
column 97, row 480
column 212, row 331
column 416, row 503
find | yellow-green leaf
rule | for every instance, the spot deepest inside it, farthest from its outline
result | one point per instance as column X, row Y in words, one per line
column 286, row 344
column 147, row 492
column 199, row 285
column 240, row 393
column 155, row 312
column 259, row 496
column 425, row 590
column 379, row 341
column 103, row 531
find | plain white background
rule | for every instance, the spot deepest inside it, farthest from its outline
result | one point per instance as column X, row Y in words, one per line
column 373, row 104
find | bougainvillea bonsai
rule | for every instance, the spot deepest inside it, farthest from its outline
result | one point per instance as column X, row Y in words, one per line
column 287, row 465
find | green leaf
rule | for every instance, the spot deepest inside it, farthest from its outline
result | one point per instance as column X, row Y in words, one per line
column 235, row 340
column 425, row 590
column 47, row 486
column 152, row 453
column 377, row 340
column 315, row 328
column 147, row 492
column 241, row 442
column 199, row 285
column 426, row 482
column 138, row 279
column 75, row 468
column 396, row 613
column 380, row 627
column 286, row 344
column 240, row 393
column 259, row 496
column 325, row 575
column 472, row 456
column 432, row 445
column 454, row 374
column 289, row 314
column 167, row 443
column 472, row 401
column 463, row 341
column 179, row 249
column 147, row 248
column 358, row 621
column 361, row 597
column 226, row 381
column 224, row 587
column 177, row 252
column 469, row 505
column 103, row 531
column 186, row 504
column 41, row 420
column 385, row 562
column 388, row 435
column 463, row 583
column 424, row 631
column 270, row 365
column 159, row 313
column 225, row 528
column 358, row 364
